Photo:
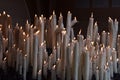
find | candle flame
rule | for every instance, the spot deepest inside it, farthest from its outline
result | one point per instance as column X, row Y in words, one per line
column 24, row 33
column 110, row 58
column 4, row 12
column 8, row 15
column 91, row 14
column 42, row 43
column 117, row 60
column 40, row 71
column 80, row 31
column 54, row 66
column 37, row 32
column 45, row 62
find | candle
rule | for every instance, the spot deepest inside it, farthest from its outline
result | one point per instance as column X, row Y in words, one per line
column 45, row 67
column 95, row 31
column 97, row 73
column 53, row 73
column 68, row 63
column 41, row 30
column 114, row 56
column 90, row 27
column 105, row 74
column 111, row 67
column 31, row 45
column 68, row 26
column 58, row 68
column 58, row 51
column 40, row 57
column 104, row 38
column 40, row 75
column 75, row 61
column 86, row 64
column 1, row 48
column 20, row 62
column 35, row 51
column 25, row 67
column 74, row 21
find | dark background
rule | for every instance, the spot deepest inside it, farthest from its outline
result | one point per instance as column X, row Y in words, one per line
column 21, row 10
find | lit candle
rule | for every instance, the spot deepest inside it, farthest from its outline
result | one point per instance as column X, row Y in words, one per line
column 90, row 27
column 45, row 66
column 97, row 73
column 40, row 75
column 31, row 45
column 104, row 38
column 76, row 61
column 53, row 73
column 68, row 63
column 111, row 67
column 95, row 31
column 68, row 26
column 1, row 48
column 40, row 57
column 86, row 64
column 25, row 67
column 114, row 56
column 35, row 51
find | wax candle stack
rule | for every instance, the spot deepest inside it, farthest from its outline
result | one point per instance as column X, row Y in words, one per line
column 70, row 58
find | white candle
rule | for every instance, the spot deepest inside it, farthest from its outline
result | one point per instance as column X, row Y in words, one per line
column 74, row 21
column 86, row 64
column 17, row 59
column 20, row 62
column 35, row 51
column 68, row 63
column 95, row 31
column 40, row 75
column 1, row 48
column 31, row 45
column 45, row 67
column 68, row 26
column 111, row 67
column 114, row 56
column 90, row 27
column 53, row 73
column 97, row 74
column 27, row 50
column 41, row 30
column 75, row 61
column 105, row 74
column 58, row 51
column 40, row 57
column 58, row 68
column 104, row 38
column 25, row 67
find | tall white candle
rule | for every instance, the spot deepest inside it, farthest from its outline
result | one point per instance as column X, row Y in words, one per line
column 53, row 73
column 68, row 64
column 104, row 38
column 25, row 67
column 40, row 57
column 45, row 68
column 40, row 75
column 114, row 56
column 86, row 64
column 35, row 51
column 97, row 74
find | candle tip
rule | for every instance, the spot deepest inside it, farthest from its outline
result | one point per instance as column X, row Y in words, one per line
column 69, row 12
column 91, row 14
column 60, row 14
column 80, row 31
column 53, row 12
column 4, row 12
column 8, row 15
